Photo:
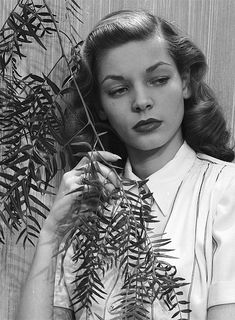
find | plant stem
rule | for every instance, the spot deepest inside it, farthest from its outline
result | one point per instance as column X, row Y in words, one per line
column 69, row 68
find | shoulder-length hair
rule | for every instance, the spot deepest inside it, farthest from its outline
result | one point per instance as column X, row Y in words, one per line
column 204, row 126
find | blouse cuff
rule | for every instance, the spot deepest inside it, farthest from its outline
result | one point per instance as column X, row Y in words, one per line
column 221, row 293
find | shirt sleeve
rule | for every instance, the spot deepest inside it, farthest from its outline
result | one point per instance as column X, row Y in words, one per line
column 62, row 280
column 222, row 288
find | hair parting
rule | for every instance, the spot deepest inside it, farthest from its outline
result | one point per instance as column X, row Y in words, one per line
column 204, row 127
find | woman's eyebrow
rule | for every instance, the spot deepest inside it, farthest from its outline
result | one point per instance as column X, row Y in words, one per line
column 148, row 70
column 156, row 65
column 113, row 77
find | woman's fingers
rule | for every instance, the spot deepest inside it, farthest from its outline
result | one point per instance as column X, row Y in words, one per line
column 99, row 158
column 97, row 155
column 104, row 155
column 73, row 185
column 109, row 186
column 109, row 175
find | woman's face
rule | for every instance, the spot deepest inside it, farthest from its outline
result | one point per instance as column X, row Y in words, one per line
column 142, row 94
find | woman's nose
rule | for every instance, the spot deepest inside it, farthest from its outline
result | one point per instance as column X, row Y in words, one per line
column 141, row 101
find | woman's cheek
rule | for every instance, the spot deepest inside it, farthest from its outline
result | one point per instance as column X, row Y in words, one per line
column 114, row 111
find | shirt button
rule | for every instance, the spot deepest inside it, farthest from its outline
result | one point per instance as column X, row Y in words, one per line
column 110, row 308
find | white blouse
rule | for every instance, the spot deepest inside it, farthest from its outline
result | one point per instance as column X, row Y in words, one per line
column 195, row 202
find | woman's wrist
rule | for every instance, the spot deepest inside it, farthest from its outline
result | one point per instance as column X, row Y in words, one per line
column 48, row 236
column 51, row 227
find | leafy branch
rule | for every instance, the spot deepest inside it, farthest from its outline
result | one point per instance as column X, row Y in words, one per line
column 114, row 231
column 31, row 121
column 107, row 230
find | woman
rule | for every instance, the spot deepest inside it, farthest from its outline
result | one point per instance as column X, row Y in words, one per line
column 148, row 81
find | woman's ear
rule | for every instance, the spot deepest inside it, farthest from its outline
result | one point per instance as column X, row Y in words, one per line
column 186, row 84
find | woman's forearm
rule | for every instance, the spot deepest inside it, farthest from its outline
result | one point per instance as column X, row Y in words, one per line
column 38, row 293
column 37, row 296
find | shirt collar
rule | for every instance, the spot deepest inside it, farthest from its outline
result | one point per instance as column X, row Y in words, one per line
column 165, row 183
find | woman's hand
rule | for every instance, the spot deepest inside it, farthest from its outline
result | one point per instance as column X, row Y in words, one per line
column 72, row 186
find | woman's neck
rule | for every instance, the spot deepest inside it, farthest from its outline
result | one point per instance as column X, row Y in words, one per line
column 145, row 163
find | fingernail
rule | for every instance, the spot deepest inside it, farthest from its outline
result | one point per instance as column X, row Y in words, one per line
column 117, row 157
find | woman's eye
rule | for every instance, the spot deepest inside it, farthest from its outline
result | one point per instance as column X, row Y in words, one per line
column 117, row 92
column 159, row 81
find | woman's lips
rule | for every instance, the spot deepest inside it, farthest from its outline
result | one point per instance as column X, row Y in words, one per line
column 147, row 125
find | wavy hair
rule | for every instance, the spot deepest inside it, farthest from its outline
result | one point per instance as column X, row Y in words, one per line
column 204, row 126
